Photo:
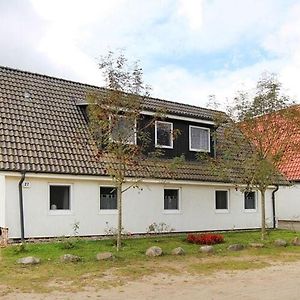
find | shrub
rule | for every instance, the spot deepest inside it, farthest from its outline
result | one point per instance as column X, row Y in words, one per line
column 205, row 238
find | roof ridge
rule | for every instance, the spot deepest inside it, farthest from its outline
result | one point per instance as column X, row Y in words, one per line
column 103, row 88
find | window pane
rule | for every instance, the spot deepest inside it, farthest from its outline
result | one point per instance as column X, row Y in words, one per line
column 171, row 199
column 108, row 198
column 164, row 134
column 199, row 138
column 249, row 200
column 122, row 130
column 59, row 197
column 221, row 200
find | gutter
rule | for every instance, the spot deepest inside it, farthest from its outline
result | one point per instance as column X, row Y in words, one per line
column 273, row 206
column 21, row 205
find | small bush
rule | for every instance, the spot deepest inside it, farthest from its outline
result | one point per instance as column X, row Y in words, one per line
column 21, row 248
column 69, row 243
column 205, row 238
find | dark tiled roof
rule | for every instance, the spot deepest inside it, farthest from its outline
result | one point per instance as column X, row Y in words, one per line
column 47, row 132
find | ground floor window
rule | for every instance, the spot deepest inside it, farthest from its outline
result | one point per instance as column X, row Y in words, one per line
column 60, row 197
column 250, row 200
column 171, row 199
column 221, row 198
column 108, row 198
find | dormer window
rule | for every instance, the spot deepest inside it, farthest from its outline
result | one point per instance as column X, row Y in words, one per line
column 199, row 139
column 122, row 130
column 163, row 134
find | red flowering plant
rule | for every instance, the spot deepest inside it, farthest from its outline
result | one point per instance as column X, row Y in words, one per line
column 205, row 238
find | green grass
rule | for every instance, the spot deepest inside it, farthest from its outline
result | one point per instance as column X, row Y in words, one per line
column 131, row 262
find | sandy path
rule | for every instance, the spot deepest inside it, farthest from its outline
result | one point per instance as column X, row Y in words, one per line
column 276, row 282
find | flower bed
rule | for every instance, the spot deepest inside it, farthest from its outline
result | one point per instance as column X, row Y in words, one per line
column 205, row 238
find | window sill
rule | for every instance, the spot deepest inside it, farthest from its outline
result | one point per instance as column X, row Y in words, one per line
column 200, row 150
column 163, row 147
column 108, row 212
column 60, row 212
column 222, row 211
column 249, row 211
column 172, row 212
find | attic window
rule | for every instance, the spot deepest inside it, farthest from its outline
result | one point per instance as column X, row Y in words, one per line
column 122, row 130
column 163, row 134
column 199, row 139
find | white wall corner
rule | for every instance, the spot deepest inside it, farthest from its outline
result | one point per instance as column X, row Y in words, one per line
column 2, row 201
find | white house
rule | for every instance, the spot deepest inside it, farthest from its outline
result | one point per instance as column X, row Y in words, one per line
column 50, row 180
column 288, row 198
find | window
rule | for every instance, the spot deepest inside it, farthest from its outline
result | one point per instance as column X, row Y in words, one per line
column 60, row 197
column 123, row 130
column 108, row 198
column 221, row 200
column 163, row 134
column 199, row 139
column 171, row 199
column 250, row 200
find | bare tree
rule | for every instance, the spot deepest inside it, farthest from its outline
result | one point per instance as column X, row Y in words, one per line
column 118, row 126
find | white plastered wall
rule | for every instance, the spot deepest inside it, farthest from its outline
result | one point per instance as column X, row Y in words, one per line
column 140, row 208
column 288, row 203
column 2, row 200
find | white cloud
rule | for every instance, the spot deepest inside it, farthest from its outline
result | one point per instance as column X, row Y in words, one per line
column 63, row 38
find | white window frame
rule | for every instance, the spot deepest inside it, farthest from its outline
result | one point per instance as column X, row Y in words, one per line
column 56, row 212
column 172, row 211
column 163, row 146
column 190, row 139
column 250, row 210
column 222, row 211
column 135, row 131
column 105, row 211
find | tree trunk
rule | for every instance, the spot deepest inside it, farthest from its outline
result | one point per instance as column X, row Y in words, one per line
column 263, row 214
column 119, row 206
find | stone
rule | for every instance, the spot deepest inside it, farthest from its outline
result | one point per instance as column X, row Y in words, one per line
column 235, row 247
column 154, row 251
column 280, row 243
column 70, row 258
column 296, row 241
column 104, row 256
column 29, row 260
column 206, row 249
column 256, row 245
column 178, row 251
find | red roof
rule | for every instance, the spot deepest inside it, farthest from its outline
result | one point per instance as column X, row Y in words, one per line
column 290, row 165
column 279, row 132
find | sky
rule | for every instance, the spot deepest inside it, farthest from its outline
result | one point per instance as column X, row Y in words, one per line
column 188, row 49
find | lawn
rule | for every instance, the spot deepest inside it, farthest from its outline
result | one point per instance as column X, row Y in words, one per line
column 131, row 263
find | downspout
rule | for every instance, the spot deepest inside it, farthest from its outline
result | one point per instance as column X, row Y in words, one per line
column 21, row 205
column 273, row 206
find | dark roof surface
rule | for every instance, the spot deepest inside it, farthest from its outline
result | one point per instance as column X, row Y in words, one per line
column 43, row 130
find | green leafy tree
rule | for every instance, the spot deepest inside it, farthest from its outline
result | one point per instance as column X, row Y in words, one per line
column 256, row 138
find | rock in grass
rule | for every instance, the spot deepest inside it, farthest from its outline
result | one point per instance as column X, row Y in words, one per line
column 70, row 258
column 296, row 241
column 235, row 247
column 178, row 251
column 256, row 245
column 206, row 249
column 154, row 251
column 29, row 260
column 280, row 243
column 104, row 256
